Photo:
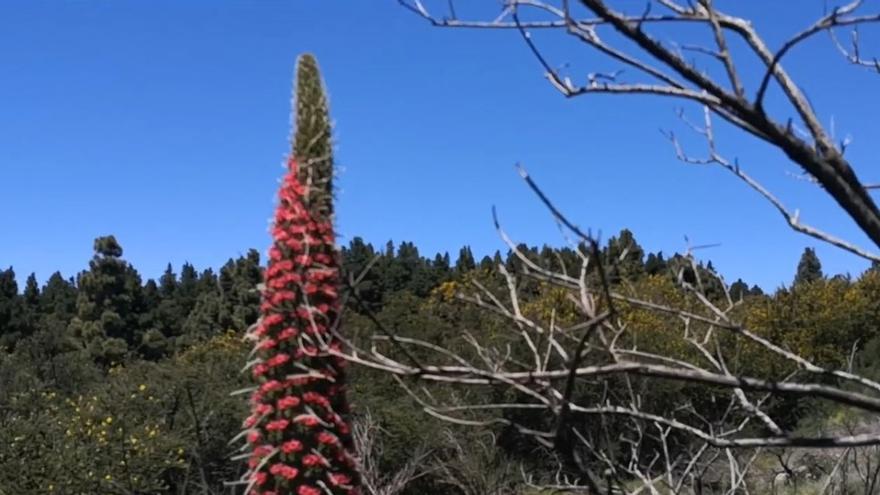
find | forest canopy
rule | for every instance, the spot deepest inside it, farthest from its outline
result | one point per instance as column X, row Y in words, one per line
column 111, row 382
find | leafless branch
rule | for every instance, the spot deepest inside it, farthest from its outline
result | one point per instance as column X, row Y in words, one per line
column 816, row 153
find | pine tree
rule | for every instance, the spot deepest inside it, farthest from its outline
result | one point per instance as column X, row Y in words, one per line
column 486, row 263
column 247, row 274
column 209, row 317
column 30, row 306
column 188, row 289
column 624, row 257
column 168, row 283
column 655, row 264
column 809, row 268
column 301, row 442
column 166, row 317
column 738, row 290
column 109, row 303
column 207, row 281
column 58, row 297
column 440, row 266
column 497, row 259
column 356, row 259
column 465, row 261
column 10, row 309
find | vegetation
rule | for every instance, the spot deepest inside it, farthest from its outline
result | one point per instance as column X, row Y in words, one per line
column 146, row 408
column 642, row 373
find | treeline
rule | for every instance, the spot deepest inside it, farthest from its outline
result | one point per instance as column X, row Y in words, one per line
column 113, row 384
column 111, row 313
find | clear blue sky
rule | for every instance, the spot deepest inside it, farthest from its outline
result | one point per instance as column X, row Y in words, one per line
column 166, row 123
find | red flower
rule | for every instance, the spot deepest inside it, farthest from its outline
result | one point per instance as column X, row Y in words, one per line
column 253, row 436
column 291, row 446
column 272, row 319
column 277, row 425
column 288, row 402
column 308, row 490
column 316, row 398
column 251, row 421
column 284, row 470
column 281, row 297
column 270, row 386
column 260, row 369
column 263, row 409
column 312, row 460
column 337, row 479
column 261, row 451
column 259, row 477
column 306, row 420
column 308, row 350
column 327, row 438
column 278, row 360
column 287, row 334
column 316, row 329
column 343, row 428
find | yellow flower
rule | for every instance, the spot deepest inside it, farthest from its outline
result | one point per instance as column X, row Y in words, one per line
column 108, row 420
column 142, row 387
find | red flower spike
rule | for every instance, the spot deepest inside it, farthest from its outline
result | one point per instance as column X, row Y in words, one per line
column 295, row 408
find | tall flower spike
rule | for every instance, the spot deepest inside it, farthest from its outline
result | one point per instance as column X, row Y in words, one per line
column 298, row 434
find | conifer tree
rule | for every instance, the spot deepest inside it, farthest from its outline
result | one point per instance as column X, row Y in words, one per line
column 465, row 261
column 738, row 289
column 356, row 259
column 655, row 263
column 109, row 304
column 58, row 297
column 188, row 288
column 10, row 308
column 300, row 439
column 30, row 306
column 809, row 268
column 624, row 257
